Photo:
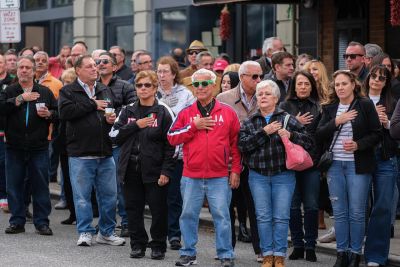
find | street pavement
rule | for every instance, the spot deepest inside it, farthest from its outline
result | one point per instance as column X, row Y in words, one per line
column 30, row 249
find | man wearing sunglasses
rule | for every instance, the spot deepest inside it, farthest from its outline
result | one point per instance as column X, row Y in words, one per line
column 208, row 130
column 195, row 48
column 355, row 60
column 243, row 100
column 282, row 71
column 123, row 94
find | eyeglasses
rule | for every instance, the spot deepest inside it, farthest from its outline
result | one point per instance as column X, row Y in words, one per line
column 145, row 62
column 104, row 61
column 202, row 83
column 351, row 56
column 163, row 71
column 255, row 76
column 193, row 52
column 145, row 85
column 380, row 77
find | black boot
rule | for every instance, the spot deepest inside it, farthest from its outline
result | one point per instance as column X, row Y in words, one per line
column 341, row 260
column 310, row 255
column 354, row 260
column 244, row 235
column 297, row 253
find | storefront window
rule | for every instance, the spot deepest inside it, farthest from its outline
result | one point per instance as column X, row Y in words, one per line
column 171, row 30
column 260, row 25
column 33, row 4
column 61, row 3
column 64, row 34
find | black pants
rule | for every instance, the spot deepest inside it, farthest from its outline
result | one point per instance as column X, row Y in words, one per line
column 137, row 194
column 244, row 181
column 238, row 201
column 69, row 197
column 324, row 201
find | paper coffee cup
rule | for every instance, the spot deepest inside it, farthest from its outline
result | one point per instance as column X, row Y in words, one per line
column 40, row 106
column 109, row 111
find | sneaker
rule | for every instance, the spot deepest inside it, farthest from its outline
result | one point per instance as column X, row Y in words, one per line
column 227, row 263
column 329, row 237
column 85, row 240
column 61, row 205
column 185, row 260
column 112, row 240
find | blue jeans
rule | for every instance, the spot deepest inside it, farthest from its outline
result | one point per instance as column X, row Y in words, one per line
column 120, row 191
column 307, row 193
column 219, row 194
column 272, row 198
column 86, row 174
column 349, row 195
column 35, row 165
column 378, row 233
column 175, row 203
column 3, row 188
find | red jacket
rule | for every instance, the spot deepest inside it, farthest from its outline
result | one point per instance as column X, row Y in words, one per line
column 206, row 153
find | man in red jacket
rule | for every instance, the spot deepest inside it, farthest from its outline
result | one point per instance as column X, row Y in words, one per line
column 208, row 130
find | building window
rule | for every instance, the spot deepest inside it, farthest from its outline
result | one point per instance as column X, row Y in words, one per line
column 172, row 30
column 61, row 3
column 63, row 34
column 118, row 24
column 33, row 4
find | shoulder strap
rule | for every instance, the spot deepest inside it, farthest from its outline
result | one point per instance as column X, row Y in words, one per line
column 340, row 127
column 287, row 117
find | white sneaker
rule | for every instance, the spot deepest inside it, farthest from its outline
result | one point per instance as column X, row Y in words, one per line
column 61, row 205
column 112, row 240
column 329, row 237
column 85, row 240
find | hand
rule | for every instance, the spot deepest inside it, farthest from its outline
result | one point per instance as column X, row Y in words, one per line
column 44, row 112
column 206, row 123
column 346, row 117
column 145, row 122
column 234, row 180
column 284, row 133
column 305, row 119
column 163, row 180
column 30, row 96
column 380, row 108
column 350, row 146
column 272, row 127
column 110, row 119
column 383, row 118
column 101, row 104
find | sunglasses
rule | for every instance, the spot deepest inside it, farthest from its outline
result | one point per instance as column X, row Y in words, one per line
column 380, row 77
column 145, row 85
column 203, row 83
column 351, row 56
column 104, row 61
column 255, row 76
column 193, row 52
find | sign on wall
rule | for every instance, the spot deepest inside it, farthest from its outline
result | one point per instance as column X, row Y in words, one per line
column 10, row 22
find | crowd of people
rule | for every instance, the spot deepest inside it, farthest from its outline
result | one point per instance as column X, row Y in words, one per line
column 180, row 136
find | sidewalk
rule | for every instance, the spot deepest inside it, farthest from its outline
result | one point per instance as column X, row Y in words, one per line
column 328, row 248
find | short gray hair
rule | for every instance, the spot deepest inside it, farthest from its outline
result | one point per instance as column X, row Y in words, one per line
column 204, row 72
column 268, row 43
column 97, row 52
column 243, row 67
column 372, row 50
column 203, row 54
column 270, row 84
column 41, row 53
column 30, row 58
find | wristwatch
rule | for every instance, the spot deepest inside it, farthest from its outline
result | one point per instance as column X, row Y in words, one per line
column 20, row 99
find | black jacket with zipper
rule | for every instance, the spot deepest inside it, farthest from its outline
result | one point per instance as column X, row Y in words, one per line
column 294, row 106
column 147, row 148
column 31, row 136
column 86, row 127
column 8, row 80
column 366, row 132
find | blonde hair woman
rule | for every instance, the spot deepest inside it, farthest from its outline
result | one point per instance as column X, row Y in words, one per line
column 318, row 71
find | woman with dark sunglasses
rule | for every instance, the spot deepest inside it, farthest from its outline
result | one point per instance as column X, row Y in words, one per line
column 145, row 165
column 302, row 102
column 385, row 60
column 384, row 177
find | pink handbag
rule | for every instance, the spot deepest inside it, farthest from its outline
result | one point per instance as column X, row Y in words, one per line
column 297, row 158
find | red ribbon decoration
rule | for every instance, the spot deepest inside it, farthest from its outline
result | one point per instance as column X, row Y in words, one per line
column 225, row 28
column 395, row 12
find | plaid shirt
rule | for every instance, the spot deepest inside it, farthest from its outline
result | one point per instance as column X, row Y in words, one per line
column 265, row 153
